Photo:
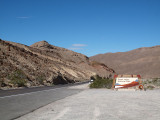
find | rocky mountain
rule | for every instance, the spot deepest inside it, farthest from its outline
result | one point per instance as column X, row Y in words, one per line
column 45, row 64
column 144, row 61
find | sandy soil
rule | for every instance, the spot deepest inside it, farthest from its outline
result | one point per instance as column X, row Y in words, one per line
column 101, row 104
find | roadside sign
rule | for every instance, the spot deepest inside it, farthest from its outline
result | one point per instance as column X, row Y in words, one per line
column 126, row 81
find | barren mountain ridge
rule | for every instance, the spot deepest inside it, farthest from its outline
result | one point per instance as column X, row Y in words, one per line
column 144, row 61
column 45, row 64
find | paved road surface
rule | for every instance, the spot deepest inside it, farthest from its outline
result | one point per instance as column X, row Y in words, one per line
column 102, row 104
column 14, row 103
column 4, row 93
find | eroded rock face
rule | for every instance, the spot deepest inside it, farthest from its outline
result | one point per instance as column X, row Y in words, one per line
column 44, row 64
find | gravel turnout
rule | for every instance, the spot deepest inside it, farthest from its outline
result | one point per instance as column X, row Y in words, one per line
column 101, row 104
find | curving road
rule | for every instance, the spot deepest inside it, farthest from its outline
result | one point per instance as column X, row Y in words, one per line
column 15, row 103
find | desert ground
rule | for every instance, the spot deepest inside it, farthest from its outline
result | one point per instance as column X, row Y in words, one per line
column 101, row 104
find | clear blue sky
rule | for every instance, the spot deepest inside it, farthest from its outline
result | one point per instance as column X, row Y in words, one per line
column 86, row 26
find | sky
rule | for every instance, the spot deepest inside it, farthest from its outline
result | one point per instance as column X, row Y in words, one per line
column 89, row 27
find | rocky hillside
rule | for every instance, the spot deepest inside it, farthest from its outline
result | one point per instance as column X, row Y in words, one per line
column 44, row 64
column 144, row 61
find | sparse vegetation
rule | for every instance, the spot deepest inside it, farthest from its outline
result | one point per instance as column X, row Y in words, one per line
column 150, row 87
column 18, row 78
column 2, row 83
column 100, row 82
column 151, row 83
column 40, row 79
column 156, row 81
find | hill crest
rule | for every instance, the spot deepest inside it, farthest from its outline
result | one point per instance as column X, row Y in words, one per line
column 144, row 61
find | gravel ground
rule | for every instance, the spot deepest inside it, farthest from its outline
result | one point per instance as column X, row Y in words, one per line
column 101, row 104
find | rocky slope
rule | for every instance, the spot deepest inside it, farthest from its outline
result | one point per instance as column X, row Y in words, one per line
column 44, row 64
column 144, row 61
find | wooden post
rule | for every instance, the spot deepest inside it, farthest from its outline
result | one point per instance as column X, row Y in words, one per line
column 114, row 81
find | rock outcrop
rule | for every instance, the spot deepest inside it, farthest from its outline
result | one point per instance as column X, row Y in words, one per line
column 44, row 64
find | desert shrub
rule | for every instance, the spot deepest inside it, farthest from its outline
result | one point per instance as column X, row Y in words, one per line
column 151, row 83
column 18, row 78
column 2, row 83
column 40, row 79
column 156, row 81
column 150, row 87
column 101, row 83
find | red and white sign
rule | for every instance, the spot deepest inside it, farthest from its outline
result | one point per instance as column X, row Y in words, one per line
column 121, row 81
column 126, row 82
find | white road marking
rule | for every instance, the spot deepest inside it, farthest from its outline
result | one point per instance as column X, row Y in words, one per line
column 62, row 113
column 30, row 93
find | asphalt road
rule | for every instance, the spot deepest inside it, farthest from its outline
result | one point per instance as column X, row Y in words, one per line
column 5, row 93
column 15, row 103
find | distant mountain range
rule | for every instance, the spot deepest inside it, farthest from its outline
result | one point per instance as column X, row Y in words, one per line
column 144, row 61
column 45, row 64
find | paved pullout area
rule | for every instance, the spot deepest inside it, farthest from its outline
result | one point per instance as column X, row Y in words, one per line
column 101, row 104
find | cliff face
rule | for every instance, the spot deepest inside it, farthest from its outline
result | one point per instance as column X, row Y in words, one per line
column 144, row 61
column 44, row 64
